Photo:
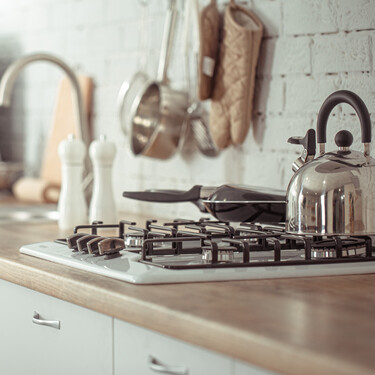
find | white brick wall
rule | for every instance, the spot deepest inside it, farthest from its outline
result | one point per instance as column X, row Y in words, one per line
column 269, row 12
column 281, row 56
column 310, row 49
column 358, row 17
column 341, row 52
column 309, row 16
column 305, row 94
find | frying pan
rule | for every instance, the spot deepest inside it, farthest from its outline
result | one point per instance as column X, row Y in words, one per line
column 233, row 203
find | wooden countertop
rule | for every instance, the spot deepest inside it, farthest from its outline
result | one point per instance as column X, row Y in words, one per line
column 323, row 325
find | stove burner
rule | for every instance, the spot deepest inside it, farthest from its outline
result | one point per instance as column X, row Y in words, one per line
column 327, row 248
column 225, row 254
column 134, row 240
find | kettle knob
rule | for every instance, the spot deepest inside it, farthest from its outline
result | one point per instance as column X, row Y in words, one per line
column 344, row 139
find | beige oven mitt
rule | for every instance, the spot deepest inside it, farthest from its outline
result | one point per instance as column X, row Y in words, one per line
column 233, row 90
column 209, row 24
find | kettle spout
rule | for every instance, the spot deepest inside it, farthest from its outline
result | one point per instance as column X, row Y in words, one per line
column 309, row 148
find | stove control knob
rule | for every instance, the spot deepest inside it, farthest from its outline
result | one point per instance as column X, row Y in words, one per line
column 93, row 245
column 111, row 247
column 83, row 241
column 73, row 239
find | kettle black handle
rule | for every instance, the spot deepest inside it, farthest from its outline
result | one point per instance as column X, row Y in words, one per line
column 343, row 96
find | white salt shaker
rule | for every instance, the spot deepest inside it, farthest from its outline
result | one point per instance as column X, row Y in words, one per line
column 72, row 205
column 102, row 206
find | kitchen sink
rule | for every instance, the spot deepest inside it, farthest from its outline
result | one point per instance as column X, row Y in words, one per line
column 38, row 213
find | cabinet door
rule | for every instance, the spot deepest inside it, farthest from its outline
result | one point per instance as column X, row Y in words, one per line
column 141, row 351
column 242, row 368
column 82, row 344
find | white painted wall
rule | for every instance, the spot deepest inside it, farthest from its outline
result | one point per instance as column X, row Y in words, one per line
column 310, row 49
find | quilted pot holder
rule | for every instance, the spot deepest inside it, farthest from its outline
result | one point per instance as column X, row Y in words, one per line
column 233, row 89
column 209, row 24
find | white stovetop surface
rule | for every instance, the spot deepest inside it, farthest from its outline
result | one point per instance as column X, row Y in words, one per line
column 128, row 268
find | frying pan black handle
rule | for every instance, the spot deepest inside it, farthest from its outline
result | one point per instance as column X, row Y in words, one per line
column 166, row 196
column 343, row 96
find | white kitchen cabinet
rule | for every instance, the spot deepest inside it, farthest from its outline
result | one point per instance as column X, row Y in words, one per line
column 141, row 351
column 242, row 368
column 82, row 345
column 91, row 343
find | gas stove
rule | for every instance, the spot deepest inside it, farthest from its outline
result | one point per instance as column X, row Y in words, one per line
column 205, row 250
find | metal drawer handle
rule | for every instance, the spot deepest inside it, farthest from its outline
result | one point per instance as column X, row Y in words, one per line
column 43, row 322
column 157, row 366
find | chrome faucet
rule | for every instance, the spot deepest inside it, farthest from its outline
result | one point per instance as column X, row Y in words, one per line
column 8, row 79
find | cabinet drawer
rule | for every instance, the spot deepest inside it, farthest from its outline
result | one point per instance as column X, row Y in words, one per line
column 140, row 351
column 82, row 344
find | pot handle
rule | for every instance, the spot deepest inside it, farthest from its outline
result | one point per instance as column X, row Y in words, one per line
column 349, row 97
column 167, row 41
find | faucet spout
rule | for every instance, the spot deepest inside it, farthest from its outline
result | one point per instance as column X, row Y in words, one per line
column 11, row 73
column 9, row 77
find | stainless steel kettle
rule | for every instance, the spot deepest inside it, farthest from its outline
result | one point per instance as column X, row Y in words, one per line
column 334, row 193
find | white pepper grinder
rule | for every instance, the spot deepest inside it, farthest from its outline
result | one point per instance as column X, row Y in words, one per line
column 72, row 205
column 102, row 206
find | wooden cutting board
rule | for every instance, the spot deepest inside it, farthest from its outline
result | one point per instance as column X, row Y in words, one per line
column 64, row 123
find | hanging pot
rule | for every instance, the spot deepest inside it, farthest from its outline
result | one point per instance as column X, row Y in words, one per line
column 159, row 113
column 333, row 194
column 130, row 89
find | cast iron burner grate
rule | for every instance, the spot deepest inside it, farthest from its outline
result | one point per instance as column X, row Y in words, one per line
column 189, row 244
